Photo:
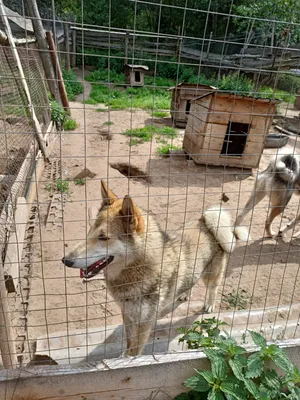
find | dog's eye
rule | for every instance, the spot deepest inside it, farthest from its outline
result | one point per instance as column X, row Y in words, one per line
column 102, row 237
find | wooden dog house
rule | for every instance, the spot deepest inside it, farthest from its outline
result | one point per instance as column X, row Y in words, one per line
column 182, row 95
column 228, row 129
column 135, row 74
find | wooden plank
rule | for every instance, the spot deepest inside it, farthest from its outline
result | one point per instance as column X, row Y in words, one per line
column 194, row 136
column 212, row 143
column 13, row 257
column 190, row 147
column 196, row 124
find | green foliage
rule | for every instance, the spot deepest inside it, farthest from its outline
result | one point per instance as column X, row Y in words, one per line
column 62, row 185
column 108, row 123
column 275, row 94
column 72, row 85
column 144, row 98
column 145, row 134
column 165, row 149
column 106, row 76
column 281, row 11
column 79, row 182
column 236, row 83
column 288, row 83
column 238, row 299
column 70, row 124
column 160, row 114
column 58, row 114
column 234, row 374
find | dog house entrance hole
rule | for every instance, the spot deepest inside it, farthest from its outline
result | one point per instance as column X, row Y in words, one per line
column 188, row 107
column 235, row 139
column 137, row 76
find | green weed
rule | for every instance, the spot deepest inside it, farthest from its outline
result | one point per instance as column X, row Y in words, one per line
column 238, row 299
column 160, row 114
column 235, row 374
column 165, row 149
column 148, row 132
column 58, row 114
column 62, row 186
column 70, row 125
column 79, row 182
column 72, row 85
column 108, row 123
column 101, row 110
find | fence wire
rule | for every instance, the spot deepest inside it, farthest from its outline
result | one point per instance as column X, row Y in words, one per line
column 183, row 127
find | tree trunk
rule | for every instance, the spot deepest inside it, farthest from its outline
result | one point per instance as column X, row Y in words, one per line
column 33, row 12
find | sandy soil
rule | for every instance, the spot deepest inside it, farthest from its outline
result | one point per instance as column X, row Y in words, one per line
column 266, row 270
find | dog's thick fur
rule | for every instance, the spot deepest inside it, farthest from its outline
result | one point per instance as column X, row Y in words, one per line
column 150, row 271
column 279, row 181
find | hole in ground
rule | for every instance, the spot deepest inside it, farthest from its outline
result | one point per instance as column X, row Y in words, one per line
column 131, row 172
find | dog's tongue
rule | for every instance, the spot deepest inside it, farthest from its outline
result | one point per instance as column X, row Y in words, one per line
column 81, row 273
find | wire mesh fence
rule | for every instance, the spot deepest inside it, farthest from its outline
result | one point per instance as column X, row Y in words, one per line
column 183, row 128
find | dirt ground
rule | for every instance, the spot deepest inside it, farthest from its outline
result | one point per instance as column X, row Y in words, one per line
column 266, row 271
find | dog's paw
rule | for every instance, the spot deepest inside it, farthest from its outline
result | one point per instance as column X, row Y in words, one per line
column 208, row 308
column 183, row 297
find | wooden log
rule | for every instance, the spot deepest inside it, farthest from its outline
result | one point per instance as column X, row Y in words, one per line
column 39, row 32
column 56, row 65
column 13, row 257
column 67, row 46
column 73, row 55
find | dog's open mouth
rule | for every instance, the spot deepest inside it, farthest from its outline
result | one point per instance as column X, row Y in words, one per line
column 95, row 268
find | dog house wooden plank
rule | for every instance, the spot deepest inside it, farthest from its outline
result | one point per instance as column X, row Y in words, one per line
column 15, row 245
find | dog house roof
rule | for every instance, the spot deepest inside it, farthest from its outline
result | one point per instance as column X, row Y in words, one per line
column 135, row 66
column 193, row 85
column 237, row 97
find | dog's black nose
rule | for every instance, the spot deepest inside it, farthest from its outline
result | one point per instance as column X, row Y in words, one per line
column 67, row 262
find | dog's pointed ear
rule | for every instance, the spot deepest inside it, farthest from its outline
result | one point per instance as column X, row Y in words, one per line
column 131, row 217
column 93, row 214
column 108, row 195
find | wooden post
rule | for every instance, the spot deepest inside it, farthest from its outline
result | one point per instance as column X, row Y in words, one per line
column 73, row 57
column 208, row 46
column 126, row 40
column 67, row 46
column 56, row 65
column 178, row 45
column 39, row 32
column 38, row 131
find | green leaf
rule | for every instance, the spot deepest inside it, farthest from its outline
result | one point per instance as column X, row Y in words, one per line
column 197, row 383
column 212, row 354
column 271, row 379
column 281, row 359
column 237, row 369
column 255, row 365
column 215, row 395
column 231, row 389
column 252, row 388
column 219, row 368
column 207, row 375
column 258, row 339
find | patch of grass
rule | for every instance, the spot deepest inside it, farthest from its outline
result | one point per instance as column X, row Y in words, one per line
column 62, row 186
column 144, row 98
column 70, row 125
column 108, row 123
column 146, row 133
column 79, row 182
column 160, row 114
column 165, row 149
column 238, row 299
column 72, row 85
column 106, row 76
column 135, row 142
column 101, row 110
column 275, row 94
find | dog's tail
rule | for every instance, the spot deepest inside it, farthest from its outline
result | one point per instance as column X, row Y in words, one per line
column 286, row 166
column 219, row 223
